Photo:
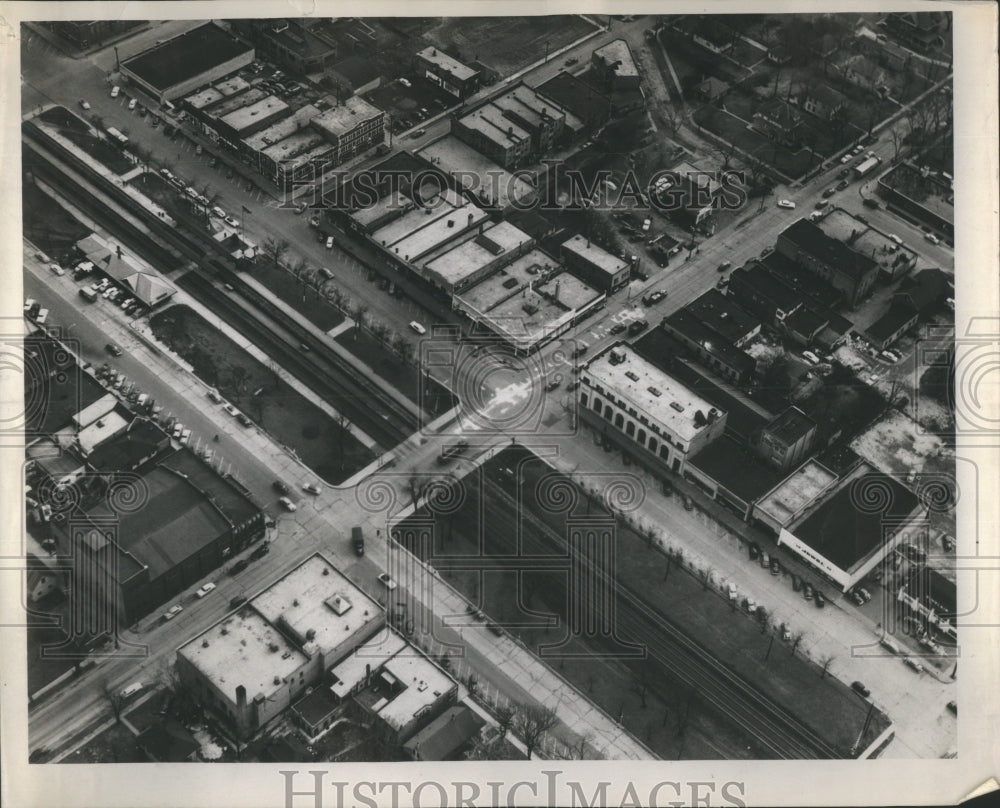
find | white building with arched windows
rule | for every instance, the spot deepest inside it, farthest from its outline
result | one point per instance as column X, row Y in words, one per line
column 640, row 407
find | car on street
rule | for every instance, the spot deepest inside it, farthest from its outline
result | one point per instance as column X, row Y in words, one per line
column 280, row 487
column 287, row 504
column 932, row 238
column 860, row 688
column 418, row 133
column 637, row 327
column 113, row 349
column 725, row 265
column 571, row 61
column 554, row 384
column 56, row 269
column 243, row 419
column 785, row 203
column 130, row 690
column 868, row 202
column 844, row 172
column 618, row 328
column 688, row 503
column 84, row 104
column 115, row 91
column 829, row 192
column 807, row 591
column 894, row 237
column 204, row 590
column 131, row 104
column 822, row 204
column 386, row 580
column 414, row 325
column 910, row 662
column 260, row 551
column 218, row 212
column 172, row 612
column 239, row 566
column 237, row 601
column 842, row 185
column 312, row 488
column 495, row 629
column 810, row 357
column 654, row 297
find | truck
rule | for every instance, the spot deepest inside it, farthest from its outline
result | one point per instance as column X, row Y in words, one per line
column 88, row 294
column 865, row 166
column 358, row 540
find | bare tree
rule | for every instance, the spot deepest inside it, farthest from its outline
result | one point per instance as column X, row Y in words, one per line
column 826, row 662
column 275, row 249
column 115, row 699
column 532, row 724
column 796, row 640
column 706, row 578
column 505, row 719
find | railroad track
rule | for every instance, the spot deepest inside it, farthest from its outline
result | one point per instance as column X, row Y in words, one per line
column 361, row 402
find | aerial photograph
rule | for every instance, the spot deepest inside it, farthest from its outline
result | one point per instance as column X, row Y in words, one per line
column 558, row 388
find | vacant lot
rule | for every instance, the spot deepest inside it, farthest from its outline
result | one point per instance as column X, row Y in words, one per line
column 319, row 441
column 305, row 300
column 506, row 44
column 115, row 745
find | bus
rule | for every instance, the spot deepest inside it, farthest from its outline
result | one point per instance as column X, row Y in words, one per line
column 116, row 137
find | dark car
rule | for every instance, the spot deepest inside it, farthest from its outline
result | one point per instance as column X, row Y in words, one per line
column 819, row 600
column 775, row 567
column 870, row 203
column 860, row 688
column 953, row 706
column 113, row 349
column 260, row 551
column 844, row 172
column 617, row 328
column 239, row 566
column 243, row 419
column 688, row 503
column 842, row 185
column 495, row 629
column 280, row 487
column 829, row 192
column 637, row 327
column 239, row 600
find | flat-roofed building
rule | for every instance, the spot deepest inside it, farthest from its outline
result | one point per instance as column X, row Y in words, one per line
column 421, row 230
column 581, row 100
column 850, row 272
column 174, row 68
column 352, row 127
column 616, row 65
column 647, row 409
column 597, row 267
column 542, row 118
column 491, row 185
column 291, row 42
column 786, row 440
column 723, row 314
column 476, row 256
column 245, row 121
column 784, row 503
column 710, row 347
column 852, row 530
column 250, row 666
column 487, row 130
column 448, row 73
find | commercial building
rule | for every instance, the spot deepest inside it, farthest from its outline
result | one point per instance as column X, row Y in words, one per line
column 711, row 348
column 927, row 196
column 462, row 263
column 689, row 193
column 446, row 736
column 615, row 65
column 851, row 273
column 251, row 665
column 850, row 531
column 83, row 34
column 358, row 73
column 788, row 500
column 143, row 282
column 917, row 297
column 193, row 59
column 732, row 474
column 580, row 99
column 647, row 410
column 352, row 127
column 596, row 266
column 515, row 128
column 447, row 73
column 290, row 42
column 488, row 183
column 786, row 441
column 931, row 597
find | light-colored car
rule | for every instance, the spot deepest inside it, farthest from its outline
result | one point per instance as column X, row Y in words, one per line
column 932, row 238
column 131, row 104
column 312, row 488
column 647, row 223
column 172, row 612
column 894, row 237
column 84, row 104
column 130, row 690
column 116, row 91
column 56, row 269
column 230, row 409
column 417, row 327
column 287, row 504
column 205, row 589
column 232, row 222
column 218, row 212
column 810, row 357
column 191, row 192
column 329, row 242
column 386, row 580
column 786, row 203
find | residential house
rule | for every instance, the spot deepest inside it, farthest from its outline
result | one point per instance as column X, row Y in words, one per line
column 779, row 120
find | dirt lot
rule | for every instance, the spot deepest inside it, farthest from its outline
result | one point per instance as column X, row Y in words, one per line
column 322, row 444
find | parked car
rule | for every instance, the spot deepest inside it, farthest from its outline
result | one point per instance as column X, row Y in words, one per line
column 829, row 192
column 204, row 590
column 807, row 591
column 810, row 357
column 386, row 580
column 819, row 600
column 280, row 487
column 785, row 203
column 932, row 238
column 130, row 690
column 312, row 488
column 860, row 688
column 897, row 239
column 116, row 91
column 260, row 551
column 844, row 172
column 637, row 327
column 618, row 328
column 495, row 629
column 725, row 265
column 238, row 601
column 84, row 104
column 113, row 349
column 243, row 419
column 822, row 204
column 654, row 297
column 842, row 185
column 418, row 327
column 910, row 662
column 287, row 504
column 172, row 612
column 688, row 503
column 870, row 203
column 239, row 566
column 131, row 104
column 231, row 221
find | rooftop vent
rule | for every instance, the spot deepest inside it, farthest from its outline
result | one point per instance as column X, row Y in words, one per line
column 632, row 375
column 273, row 648
column 277, row 680
column 674, row 405
column 655, row 391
